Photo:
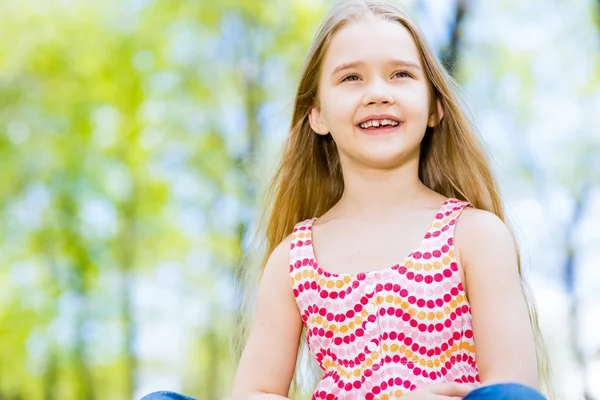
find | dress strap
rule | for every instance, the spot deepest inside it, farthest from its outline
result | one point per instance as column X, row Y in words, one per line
column 301, row 242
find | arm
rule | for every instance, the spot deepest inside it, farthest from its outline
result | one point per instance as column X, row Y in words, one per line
column 269, row 358
column 504, row 341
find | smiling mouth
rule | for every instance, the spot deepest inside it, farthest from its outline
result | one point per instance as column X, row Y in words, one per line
column 379, row 125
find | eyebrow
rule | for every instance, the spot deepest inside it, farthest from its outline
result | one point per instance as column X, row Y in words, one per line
column 356, row 64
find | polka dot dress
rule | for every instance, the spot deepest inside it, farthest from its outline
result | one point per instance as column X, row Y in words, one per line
column 381, row 334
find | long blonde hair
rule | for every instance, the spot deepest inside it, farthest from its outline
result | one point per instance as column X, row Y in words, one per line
column 453, row 163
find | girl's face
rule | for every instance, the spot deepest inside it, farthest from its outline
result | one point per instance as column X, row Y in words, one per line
column 373, row 95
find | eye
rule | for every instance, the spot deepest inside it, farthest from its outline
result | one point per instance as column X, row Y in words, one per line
column 346, row 78
column 406, row 73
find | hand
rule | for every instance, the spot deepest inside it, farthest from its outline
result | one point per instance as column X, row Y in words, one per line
column 441, row 391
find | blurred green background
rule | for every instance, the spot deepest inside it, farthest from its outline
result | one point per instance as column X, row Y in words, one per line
column 136, row 137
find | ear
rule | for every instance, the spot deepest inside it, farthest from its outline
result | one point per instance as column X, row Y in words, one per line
column 315, row 118
column 432, row 121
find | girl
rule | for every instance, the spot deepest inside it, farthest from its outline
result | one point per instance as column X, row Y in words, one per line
column 386, row 237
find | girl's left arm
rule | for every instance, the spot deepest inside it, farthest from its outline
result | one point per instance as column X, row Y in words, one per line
column 504, row 340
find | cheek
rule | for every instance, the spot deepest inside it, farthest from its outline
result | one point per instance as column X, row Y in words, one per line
column 415, row 104
column 338, row 108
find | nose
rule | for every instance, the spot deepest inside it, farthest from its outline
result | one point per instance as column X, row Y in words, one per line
column 378, row 92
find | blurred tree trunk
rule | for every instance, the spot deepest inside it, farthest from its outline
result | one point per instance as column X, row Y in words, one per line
column 212, row 372
column 50, row 375
column 449, row 54
column 570, row 277
column 74, row 247
column 127, row 245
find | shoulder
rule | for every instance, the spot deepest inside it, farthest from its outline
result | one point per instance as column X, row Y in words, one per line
column 480, row 235
column 475, row 222
column 279, row 259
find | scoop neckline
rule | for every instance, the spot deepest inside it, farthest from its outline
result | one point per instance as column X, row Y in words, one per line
column 377, row 271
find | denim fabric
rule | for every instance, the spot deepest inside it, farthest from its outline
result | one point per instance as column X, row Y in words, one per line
column 165, row 396
column 501, row 391
column 505, row 391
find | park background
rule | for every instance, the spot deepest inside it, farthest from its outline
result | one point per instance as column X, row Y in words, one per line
column 136, row 137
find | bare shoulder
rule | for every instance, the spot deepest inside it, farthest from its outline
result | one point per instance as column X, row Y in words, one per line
column 482, row 234
column 501, row 327
column 280, row 257
column 269, row 357
column 276, row 275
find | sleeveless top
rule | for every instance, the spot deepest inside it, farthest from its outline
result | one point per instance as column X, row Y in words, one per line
column 380, row 334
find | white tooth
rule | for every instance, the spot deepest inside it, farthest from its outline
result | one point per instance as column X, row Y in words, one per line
column 376, row 123
column 387, row 122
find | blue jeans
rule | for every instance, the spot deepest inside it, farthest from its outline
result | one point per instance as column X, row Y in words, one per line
column 165, row 396
column 501, row 391
column 505, row 391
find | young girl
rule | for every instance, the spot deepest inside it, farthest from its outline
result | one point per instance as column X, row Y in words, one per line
column 386, row 236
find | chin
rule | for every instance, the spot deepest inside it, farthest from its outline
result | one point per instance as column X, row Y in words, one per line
column 383, row 161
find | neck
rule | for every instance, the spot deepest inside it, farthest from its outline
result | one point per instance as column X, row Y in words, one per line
column 377, row 192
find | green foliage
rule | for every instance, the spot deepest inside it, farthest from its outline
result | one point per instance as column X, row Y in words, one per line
column 122, row 197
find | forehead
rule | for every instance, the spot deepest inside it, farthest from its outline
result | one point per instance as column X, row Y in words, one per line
column 370, row 40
